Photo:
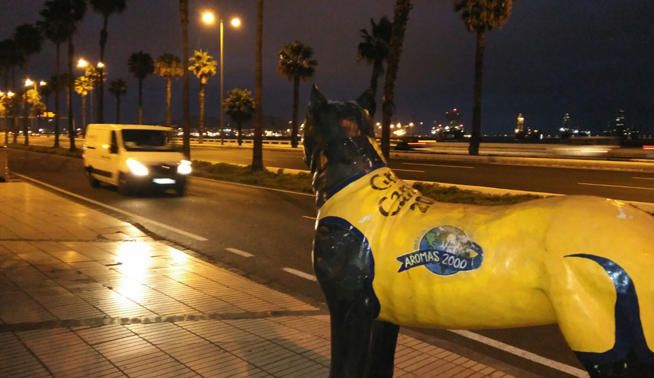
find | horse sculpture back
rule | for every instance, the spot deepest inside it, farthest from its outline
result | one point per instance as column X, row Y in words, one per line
column 386, row 256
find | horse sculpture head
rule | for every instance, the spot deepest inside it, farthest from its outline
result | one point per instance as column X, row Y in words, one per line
column 339, row 140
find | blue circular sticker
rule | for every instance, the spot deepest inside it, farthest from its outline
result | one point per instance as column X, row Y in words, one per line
column 444, row 250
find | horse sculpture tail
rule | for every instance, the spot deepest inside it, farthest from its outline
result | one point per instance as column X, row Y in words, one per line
column 630, row 355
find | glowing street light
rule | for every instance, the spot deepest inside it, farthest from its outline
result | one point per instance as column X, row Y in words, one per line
column 82, row 63
column 209, row 18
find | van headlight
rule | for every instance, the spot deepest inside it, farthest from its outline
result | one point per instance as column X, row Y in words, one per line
column 137, row 168
column 184, row 167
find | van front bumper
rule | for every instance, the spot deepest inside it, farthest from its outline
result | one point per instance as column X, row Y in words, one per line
column 156, row 181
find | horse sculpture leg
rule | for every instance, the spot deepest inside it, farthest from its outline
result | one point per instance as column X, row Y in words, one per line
column 604, row 329
column 382, row 349
column 343, row 265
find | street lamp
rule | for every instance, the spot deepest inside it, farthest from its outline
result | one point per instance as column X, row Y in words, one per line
column 96, row 74
column 208, row 18
column 82, row 63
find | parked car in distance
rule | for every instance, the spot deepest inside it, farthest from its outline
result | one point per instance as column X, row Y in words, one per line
column 135, row 158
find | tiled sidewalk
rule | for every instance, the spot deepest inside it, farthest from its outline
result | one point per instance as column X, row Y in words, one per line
column 86, row 295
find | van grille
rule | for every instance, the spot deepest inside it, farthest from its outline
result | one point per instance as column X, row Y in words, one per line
column 163, row 170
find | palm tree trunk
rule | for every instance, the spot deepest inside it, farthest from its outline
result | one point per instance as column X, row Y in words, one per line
column 57, row 89
column 83, row 112
column 296, row 100
column 100, row 94
column 139, row 116
column 169, row 98
column 71, row 125
column 90, row 116
column 377, row 69
column 117, row 109
column 25, row 120
column 240, row 128
column 475, row 139
column 400, row 19
column 14, row 107
column 186, row 126
column 201, row 120
column 257, row 150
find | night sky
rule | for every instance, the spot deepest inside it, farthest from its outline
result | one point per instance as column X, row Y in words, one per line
column 585, row 57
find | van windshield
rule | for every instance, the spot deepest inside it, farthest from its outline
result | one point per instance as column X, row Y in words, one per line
column 149, row 140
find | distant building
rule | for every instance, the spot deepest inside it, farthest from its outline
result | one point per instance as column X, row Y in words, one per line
column 452, row 128
column 567, row 131
column 522, row 132
column 618, row 128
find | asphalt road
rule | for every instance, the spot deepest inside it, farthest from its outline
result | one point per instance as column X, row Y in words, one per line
column 617, row 184
column 263, row 233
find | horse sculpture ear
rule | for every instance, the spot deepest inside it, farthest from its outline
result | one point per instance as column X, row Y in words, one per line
column 317, row 99
column 367, row 101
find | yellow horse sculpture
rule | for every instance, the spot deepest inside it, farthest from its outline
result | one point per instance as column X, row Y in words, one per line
column 386, row 256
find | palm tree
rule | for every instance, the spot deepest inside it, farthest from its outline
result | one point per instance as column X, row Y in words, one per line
column 28, row 41
column 117, row 88
column 96, row 76
column 60, row 20
column 186, row 125
column 141, row 65
column 169, row 67
column 46, row 92
column 239, row 106
column 481, row 16
column 296, row 63
column 83, row 85
column 36, row 106
column 11, row 58
column 55, row 29
column 257, row 148
column 373, row 49
column 106, row 8
column 203, row 66
column 400, row 19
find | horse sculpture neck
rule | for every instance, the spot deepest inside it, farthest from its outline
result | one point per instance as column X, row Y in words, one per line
column 342, row 162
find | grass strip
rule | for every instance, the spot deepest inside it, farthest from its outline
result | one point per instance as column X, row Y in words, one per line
column 301, row 182
column 48, row 150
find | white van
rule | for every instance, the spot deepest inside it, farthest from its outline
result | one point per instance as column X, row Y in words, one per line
column 134, row 157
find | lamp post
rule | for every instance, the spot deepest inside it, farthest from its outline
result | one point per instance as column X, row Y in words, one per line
column 29, row 84
column 95, row 74
column 208, row 18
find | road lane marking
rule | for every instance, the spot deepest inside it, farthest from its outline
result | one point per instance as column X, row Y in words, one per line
column 300, row 274
column 616, row 186
column 309, row 218
column 440, row 165
column 522, row 353
column 115, row 209
column 643, row 178
column 239, row 252
column 407, row 170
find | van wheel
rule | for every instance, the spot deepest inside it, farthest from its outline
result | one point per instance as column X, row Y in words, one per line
column 124, row 186
column 180, row 190
column 92, row 180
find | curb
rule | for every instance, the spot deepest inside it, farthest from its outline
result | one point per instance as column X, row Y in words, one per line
column 639, row 165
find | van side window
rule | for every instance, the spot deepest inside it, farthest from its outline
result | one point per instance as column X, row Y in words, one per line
column 114, row 143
